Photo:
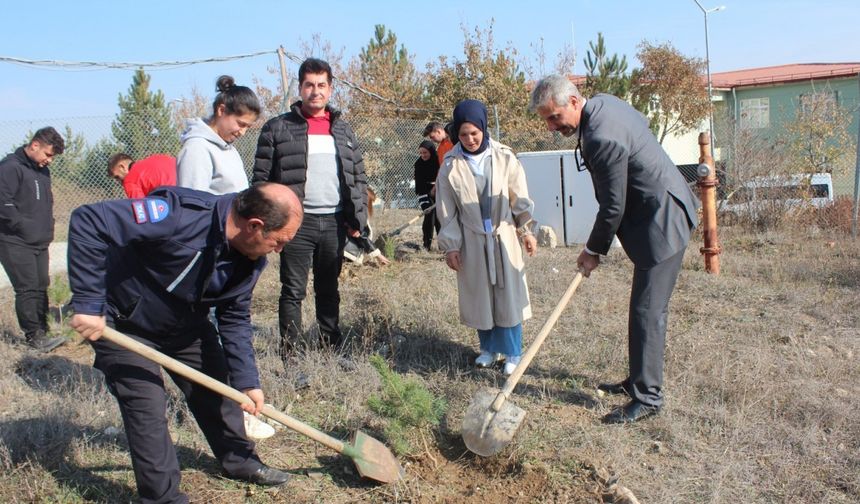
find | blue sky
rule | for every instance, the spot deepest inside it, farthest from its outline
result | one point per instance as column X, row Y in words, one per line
column 749, row 33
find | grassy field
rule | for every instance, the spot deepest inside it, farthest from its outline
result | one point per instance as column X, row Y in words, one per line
column 762, row 394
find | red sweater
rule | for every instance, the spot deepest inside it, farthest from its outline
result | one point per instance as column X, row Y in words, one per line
column 148, row 173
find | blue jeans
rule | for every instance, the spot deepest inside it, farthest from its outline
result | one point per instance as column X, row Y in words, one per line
column 503, row 340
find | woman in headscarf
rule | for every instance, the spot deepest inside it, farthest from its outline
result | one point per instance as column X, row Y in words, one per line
column 484, row 209
column 426, row 170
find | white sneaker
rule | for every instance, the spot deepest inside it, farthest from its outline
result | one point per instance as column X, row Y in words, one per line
column 487, row 359
column 256, row 428
column 511, row 364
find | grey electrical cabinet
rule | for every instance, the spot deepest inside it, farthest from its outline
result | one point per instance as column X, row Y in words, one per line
column 563, row 195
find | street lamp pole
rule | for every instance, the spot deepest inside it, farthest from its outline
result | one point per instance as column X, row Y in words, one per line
column 708, row 69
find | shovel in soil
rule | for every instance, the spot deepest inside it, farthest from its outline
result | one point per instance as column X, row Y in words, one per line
column 491, row 421
column 372, row 459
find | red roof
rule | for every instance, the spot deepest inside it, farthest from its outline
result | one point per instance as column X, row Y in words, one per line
column 578, row 80
column 782, row 74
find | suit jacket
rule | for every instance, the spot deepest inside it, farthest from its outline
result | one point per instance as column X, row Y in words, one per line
column 642, row 196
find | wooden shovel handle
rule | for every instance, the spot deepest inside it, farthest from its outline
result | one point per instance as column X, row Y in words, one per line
column 535, row 346
column 207, row 381
column 413, row 220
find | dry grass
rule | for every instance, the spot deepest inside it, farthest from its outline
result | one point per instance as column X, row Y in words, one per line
column 761, row 383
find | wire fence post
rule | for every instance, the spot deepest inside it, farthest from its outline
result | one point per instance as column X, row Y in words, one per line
column 284, row 83
column 856, row 173
column 496, row 113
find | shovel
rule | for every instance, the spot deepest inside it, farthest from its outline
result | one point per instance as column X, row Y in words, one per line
column 372, row 459
column 491, row 421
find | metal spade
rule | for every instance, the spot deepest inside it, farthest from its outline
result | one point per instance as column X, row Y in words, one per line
column 491, row 420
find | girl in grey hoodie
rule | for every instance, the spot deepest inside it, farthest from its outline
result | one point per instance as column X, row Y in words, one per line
column 208, row 161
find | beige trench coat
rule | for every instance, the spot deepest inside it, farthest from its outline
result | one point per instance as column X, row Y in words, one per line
column 482, row 304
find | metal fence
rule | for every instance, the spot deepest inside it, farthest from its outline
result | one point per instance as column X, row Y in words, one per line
column 389, row 143
column 80, row 176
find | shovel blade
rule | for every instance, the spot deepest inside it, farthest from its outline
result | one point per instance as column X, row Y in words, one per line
column 373, row 459
column 486, row 432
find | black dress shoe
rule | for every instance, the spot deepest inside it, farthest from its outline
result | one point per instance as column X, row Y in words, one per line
column 268, row 476
column 631, row 412
column 613, row 388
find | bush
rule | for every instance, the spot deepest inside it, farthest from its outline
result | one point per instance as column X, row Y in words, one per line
column 837, row 215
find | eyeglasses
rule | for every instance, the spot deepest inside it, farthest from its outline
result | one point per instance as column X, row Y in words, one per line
column 581, row 164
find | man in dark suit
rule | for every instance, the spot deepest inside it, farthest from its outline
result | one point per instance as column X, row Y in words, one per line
column 644, row 200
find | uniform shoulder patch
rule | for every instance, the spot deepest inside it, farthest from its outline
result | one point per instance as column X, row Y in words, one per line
column 138, row 208
column 157, row 209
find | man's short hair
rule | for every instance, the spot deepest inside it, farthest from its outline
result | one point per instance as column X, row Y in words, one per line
column 253, row 203
column 557, row 88
column 431, row 127
column 115, row 160
column 314, row 66
column 49, row 136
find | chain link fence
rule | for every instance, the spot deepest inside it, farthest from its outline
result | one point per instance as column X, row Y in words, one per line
column 390, row 147
column 79, row 175
column 762, row 185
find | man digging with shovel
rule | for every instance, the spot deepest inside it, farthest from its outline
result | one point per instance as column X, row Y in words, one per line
column 152, row 268
column 645, row 201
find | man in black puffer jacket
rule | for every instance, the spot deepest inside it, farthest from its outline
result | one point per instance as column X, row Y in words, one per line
column 314, row 152
column 27, row 229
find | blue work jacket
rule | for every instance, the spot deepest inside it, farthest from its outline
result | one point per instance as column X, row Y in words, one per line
column 147, row 263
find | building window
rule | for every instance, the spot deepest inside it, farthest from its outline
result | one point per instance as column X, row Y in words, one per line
column 819, row 104
column 755, row 113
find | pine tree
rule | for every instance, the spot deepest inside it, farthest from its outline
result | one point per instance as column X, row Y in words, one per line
column 387, row 70
column 605, row 74
column 143, row 125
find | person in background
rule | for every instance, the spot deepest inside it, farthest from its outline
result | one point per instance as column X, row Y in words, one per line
column 138, row 178
column 26, row 231
column 208, row 161
column 645, row 201
column 151, row 269
column 436, row 131
column 485, row 210
column 426, row 170
column 313, row 150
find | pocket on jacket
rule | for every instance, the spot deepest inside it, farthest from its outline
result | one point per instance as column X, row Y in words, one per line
column 646, row 209
column 125, row 312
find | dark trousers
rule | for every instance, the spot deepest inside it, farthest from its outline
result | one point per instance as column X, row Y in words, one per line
column 649, row 307
column 27, row 269
column 430, row 223
column 319, row 244
column 138, row 386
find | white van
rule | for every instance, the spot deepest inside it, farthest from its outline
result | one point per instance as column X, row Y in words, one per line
column 784, row 193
